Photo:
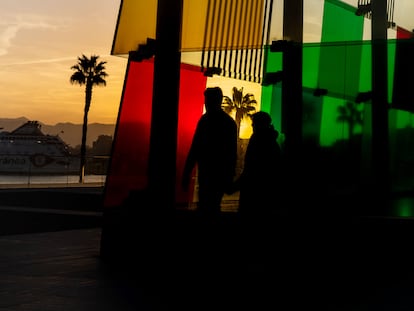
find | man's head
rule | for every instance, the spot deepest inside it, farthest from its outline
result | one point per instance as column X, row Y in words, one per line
column 213, row 98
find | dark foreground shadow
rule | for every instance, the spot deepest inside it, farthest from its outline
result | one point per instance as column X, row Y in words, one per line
column 300, row 260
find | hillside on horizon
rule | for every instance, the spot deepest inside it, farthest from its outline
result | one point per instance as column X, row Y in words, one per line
column 70, row 133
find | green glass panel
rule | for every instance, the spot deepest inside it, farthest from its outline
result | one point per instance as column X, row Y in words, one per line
column 391, row 53
column 404, row 208
column 340, row 53
column 311, row 117
column 271, row 101
column 339, row 66
column 340, row 22
column 342, row 64
column 310, row 63
column 365, row 81
column 271, row 94
column 272, row 60
column 402, row 119
column 331, row 129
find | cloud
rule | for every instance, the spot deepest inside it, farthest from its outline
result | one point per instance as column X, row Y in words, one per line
column 10, row 27
column 6, row 35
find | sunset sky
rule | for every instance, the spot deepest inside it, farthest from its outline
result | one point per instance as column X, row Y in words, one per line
column 41, row 39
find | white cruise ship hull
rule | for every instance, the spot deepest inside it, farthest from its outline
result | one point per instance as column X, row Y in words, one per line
column 26, row 150
column 38, row 163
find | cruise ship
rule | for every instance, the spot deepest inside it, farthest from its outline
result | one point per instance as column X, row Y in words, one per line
column 27, row 150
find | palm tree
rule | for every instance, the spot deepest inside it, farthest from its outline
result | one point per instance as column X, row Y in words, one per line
column 350, row 114
column 244, row 105
column 88, row 72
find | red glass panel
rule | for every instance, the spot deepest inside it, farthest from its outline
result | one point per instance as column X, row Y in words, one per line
column 129, row 160
column 192, row 85
column 404, row 33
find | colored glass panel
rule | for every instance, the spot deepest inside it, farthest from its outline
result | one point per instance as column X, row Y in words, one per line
column 271, row 97
column 403, row 95
column 128, row 167
column 339, row 66
column 233, row 24
column 340, row 63
column 391, row 62
column 404, row 33
column 136, row 22
column 365, row 70
column 311, row 118
column 129, row 160
column 340, row 22
column 205, row 24
column 310, row 64
column 192, row 86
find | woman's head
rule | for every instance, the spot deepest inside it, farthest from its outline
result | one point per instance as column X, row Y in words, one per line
column 262, row 123
column 261, row 120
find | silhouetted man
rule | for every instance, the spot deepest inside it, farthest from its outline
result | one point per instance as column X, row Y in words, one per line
column 214, row 152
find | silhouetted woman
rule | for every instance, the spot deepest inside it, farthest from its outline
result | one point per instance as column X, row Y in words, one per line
column 260, row 180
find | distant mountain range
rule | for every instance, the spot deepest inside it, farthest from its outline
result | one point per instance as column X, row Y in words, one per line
column 71, row 133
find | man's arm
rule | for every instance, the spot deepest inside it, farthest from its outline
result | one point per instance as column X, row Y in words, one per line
column 190, row 162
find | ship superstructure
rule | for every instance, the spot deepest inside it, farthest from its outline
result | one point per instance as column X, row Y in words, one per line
column 28, row 150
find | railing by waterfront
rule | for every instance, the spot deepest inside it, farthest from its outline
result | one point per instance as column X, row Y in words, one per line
column 40, row 170
column 46, row 181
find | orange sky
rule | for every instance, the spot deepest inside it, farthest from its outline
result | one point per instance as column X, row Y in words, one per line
column 40, row 40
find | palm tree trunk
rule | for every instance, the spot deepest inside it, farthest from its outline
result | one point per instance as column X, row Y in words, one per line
column 88, row 97
column 83, row 150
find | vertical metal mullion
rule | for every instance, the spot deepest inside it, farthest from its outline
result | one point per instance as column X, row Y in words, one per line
column 227, row 38
column 206, row 28
column 252, row 47
column 233, row 36
column 391, row 11
column 216, row 30
column 266, row 21
column 241, row 42
column 222, row 20
column 246, row 71
column 211, row 36
column 238, row 41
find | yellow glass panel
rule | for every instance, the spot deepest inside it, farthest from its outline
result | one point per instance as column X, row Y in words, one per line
column 194, row 23
column 234, row 24
column 206, row 25
column 136, row 22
